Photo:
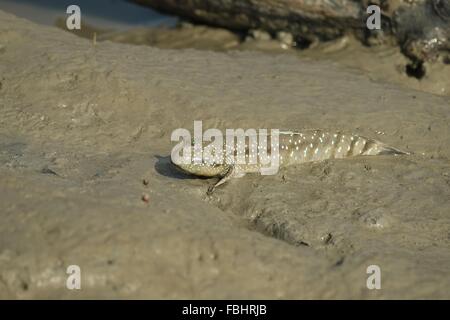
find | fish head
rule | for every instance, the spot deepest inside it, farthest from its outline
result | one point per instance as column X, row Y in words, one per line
column 203, row 169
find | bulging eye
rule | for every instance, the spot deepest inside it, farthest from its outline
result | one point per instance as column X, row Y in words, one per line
column 442, row 8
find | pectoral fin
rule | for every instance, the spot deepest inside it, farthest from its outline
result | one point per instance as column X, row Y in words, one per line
column 233, row 172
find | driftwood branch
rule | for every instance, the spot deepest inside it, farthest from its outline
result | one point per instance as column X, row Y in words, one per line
column 420, row 27
column 325, row 19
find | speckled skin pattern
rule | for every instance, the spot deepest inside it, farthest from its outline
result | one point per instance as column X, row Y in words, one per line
column 295, row 147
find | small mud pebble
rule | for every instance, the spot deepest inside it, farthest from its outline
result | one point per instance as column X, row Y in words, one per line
column 145, row 182
column 145, row 197
column 326, row 238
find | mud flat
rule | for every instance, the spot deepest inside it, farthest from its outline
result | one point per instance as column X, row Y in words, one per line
column 384, row 62
column 83, row 125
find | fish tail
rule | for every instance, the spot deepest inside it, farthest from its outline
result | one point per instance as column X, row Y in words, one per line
column 374, row 147
column 387, row 150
